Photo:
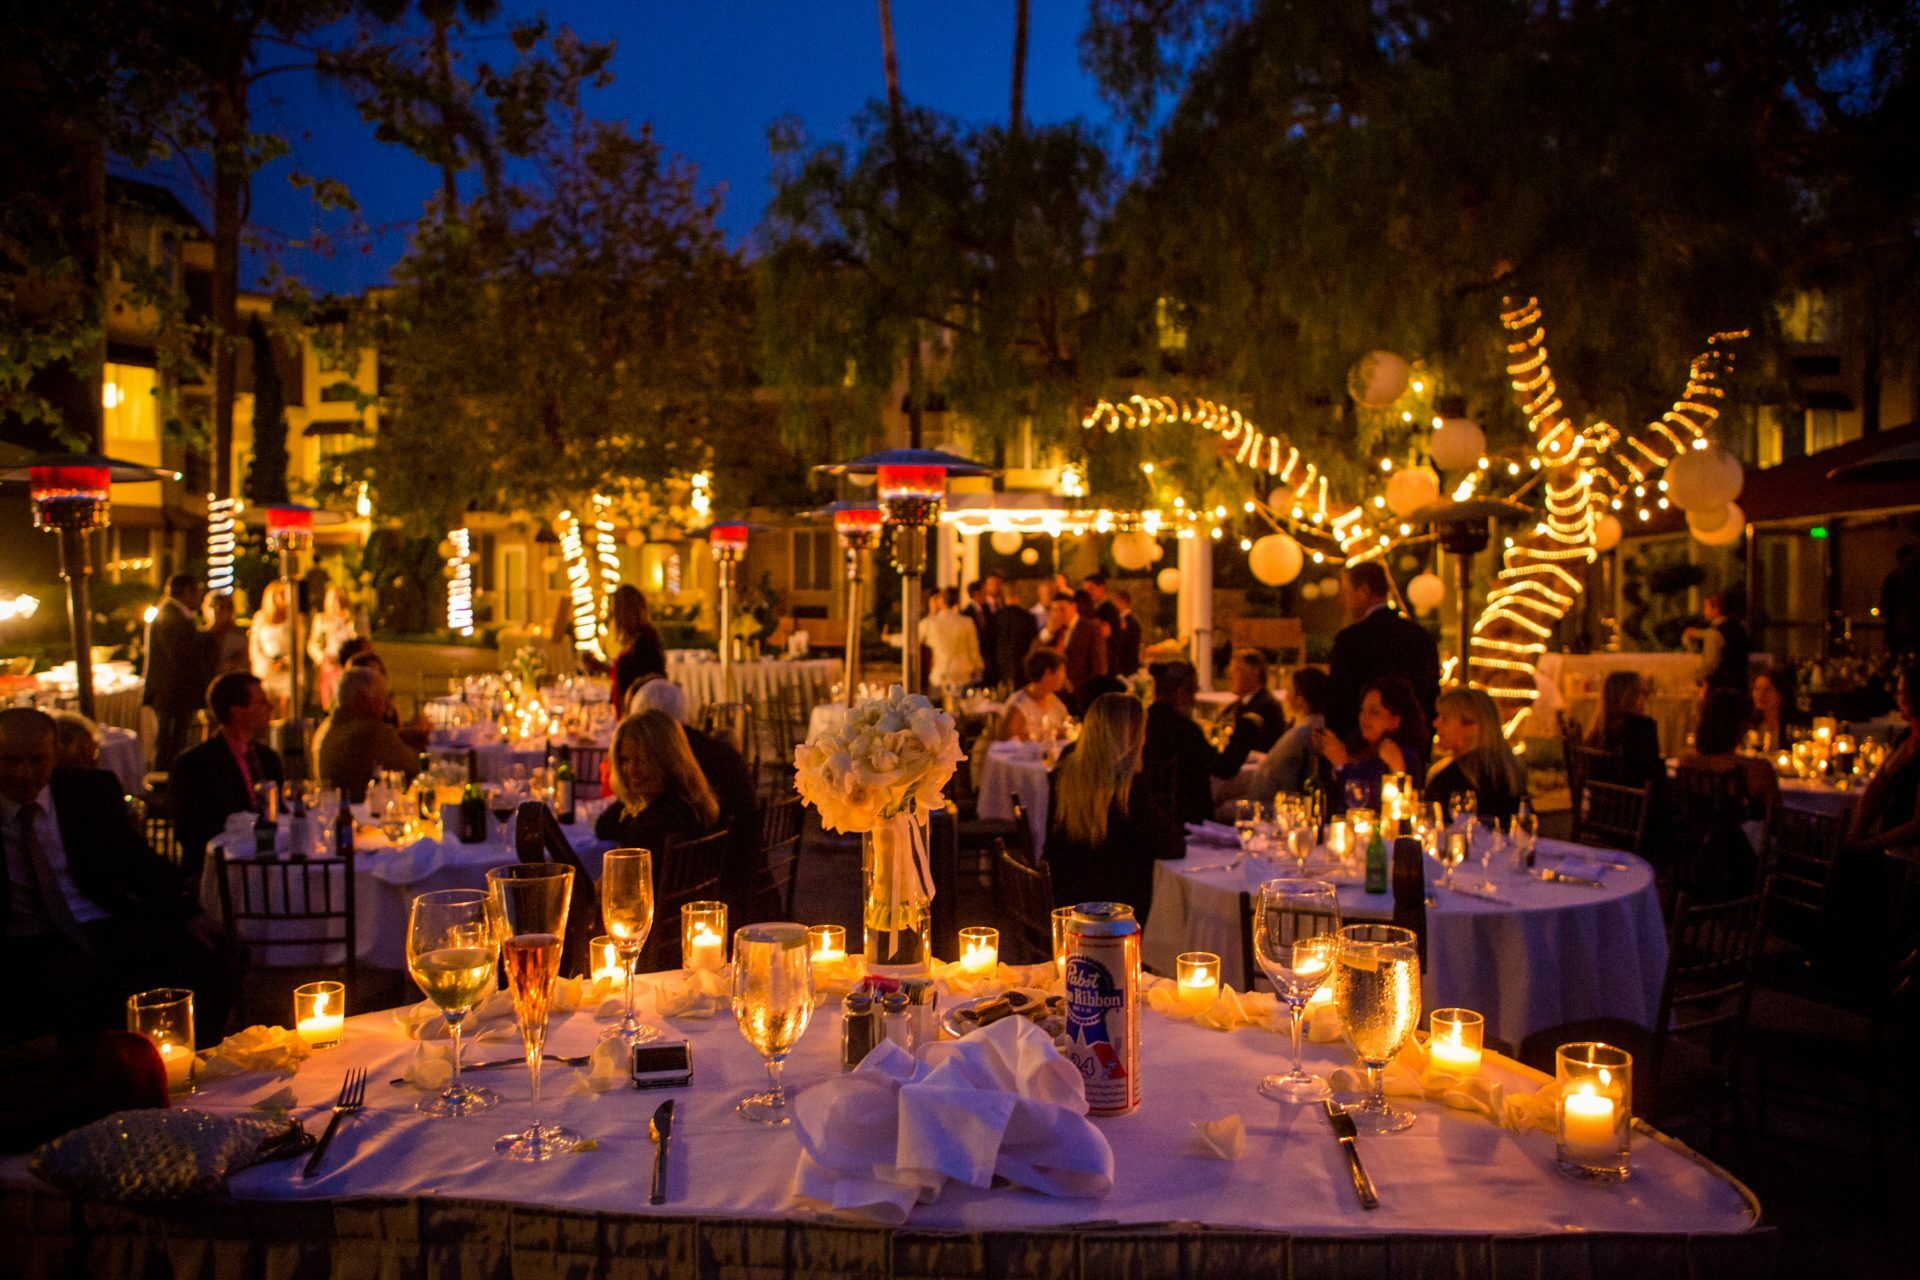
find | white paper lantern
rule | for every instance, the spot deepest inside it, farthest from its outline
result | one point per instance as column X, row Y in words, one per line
column 1709, row 519
column 1030, row 557
column 1732, row 527
column 1168, row 581
column 1606, row 533
column 1704, row 479
column 1006, row 541
column 1311, row 591
column 1132, row 551
column 1457, row 444
column 1280, row 499
column 1156, row 553
column 1425, row 592
column 1412, row 488
column 1276, row 559
column 1377, row 379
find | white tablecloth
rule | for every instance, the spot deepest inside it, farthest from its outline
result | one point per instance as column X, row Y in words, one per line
column 1817, row 797
column 496, row 759
column 1448, row 1173
column 1015, row 768
column 753, row 681
column 1556, row 954
column 120, row 751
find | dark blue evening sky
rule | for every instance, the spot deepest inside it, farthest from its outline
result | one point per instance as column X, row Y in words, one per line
column 711, row 75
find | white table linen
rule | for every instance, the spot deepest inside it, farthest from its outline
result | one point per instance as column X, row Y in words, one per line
column 753, row 681
column 1556, row 954
column 121, row 752
column 1015, row 769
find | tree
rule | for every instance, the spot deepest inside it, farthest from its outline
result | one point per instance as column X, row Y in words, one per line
column 267, row 471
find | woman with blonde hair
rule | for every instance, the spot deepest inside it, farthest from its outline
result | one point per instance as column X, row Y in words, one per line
column 333, row 626
column 1471, row 754
column 1106, row 831
column 636, row 641
column 270, row 646
column 662, row 794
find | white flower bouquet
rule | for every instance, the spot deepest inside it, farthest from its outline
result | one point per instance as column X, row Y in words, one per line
column 891, row 757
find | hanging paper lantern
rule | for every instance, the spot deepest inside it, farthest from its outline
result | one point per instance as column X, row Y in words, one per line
column 1280, row 499
column 1732, row 527
column 1704, row 479
column 1425, row 592
column 634, row 538
column 1412, row 488
column 1709, row 519
column 1606, row 533
column 1156, row 553
column 1457, row 444
column 1006, row 542
column 1168, row 581
column 1311, row 591
column 1377, row 379
column 1276, row 559
column 1132, row 551
column 1030, row 557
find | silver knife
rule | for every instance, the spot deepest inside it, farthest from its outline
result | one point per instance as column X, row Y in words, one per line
column 1547, row 875
column 1343, row 1133
column 1475, row 893
column 661, row 1127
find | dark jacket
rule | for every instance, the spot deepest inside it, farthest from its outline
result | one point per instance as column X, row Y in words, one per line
column 205, row 787
column 178, row 661
column 350, row 749
column 1013, row 631
column 1731, row 671
column 1175, row 742
column 1381, row 644
column 668, row 818
column 1258, row 716
column 1121, row 868
column 733, row 787
column 1492, row 803
column 109, row 859
column 1123, row 646
column 1085, row 651
column 982, row 619
column 1636, row 749
column 644, row 657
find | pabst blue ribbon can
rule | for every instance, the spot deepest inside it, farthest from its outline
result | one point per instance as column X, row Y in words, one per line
column 1103, row 1005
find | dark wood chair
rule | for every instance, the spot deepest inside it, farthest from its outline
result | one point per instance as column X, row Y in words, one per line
column 1705, row 817
column 1288, row 929
column 1024, row 893
column 1611, row 816
column 537, row 837
column 587, row 765
column 782, row 838
column 1803, row 850
column 290, row 920
column 685, row 871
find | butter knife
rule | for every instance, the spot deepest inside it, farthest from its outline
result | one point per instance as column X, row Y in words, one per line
column 661, row 1127
column 1344, row 1133
column 1547, row 875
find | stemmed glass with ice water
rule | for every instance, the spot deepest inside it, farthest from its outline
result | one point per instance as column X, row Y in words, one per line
column 529, row 902
column 451, row 953
column 626, row 907
column 1296, row 924
column 1376, row 987
column 772, row 1002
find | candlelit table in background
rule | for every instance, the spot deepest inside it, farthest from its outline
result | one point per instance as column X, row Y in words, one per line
column 117, row 689
column 1554, row 954
column 809, row 680
column 121, row 752
column 402, row 1193
column 1014, row 769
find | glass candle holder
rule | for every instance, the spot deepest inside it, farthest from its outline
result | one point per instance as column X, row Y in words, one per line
column 827, row 944
column 1062, row 917
column 703, row 935
column 604, row 955
column 1595, row 1111
column 1198, row 975
column 165, row 1016
column 320, row 1013
column 1456, row 1040
column 979, row 951
column 1339, row 839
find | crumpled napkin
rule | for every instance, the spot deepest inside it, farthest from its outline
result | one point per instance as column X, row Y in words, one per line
column 280, row 1099
column 836, row 978
column 1230, row 1010
column 410, row 864
column 953, row 976
column 1323, row 1025
column 1223, row 1139
column 1002, row 1104
column 1218, row 834
column 270, row 1049
column 607, row 1066
column 431, row 1067
column 700, row 993
column 1409, row 1075
column 492, row 1019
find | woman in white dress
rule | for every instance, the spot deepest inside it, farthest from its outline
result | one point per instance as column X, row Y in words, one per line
column 1035, row 710
column 270, row 645
column 333, row 626
column 950, row 634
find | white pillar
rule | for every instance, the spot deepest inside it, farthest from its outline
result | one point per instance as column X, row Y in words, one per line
column 1195, row 609
column 969, row 568
column 946, row 555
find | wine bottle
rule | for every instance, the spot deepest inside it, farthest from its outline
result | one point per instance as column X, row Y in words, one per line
column 264, row 830
column 1409, row 884
column 473, row 805
column 563, row 806
column 343, row 831
column 299, row 830
column 1376, row 862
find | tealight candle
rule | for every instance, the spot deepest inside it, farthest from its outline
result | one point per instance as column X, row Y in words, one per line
column 1595, row 1110
column 827, row 944
column 1339, row 839
column 165, row 1016
column 979, row 950
column 1456, row 1041
column 177, row 1060
column 1198, row 973
column 1062, row 917
column 703, row 935
column 320, row 1013
column 606, row 960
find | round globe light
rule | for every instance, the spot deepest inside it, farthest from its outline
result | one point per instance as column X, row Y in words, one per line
column 1276, row 559
column 1168, row 580
column 1412, row 488
column 1425, row 592
column 1377, row 379
column 1006, row 542
column 1457, row 444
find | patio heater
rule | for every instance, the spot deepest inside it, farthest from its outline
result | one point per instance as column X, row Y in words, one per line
column 71, row 495
column 728, row 542
column 1464, row 529
column 289, row 529
column 857, row 524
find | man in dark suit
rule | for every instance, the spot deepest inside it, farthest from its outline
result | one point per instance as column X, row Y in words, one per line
column 1013, row 627
column 1095, row 585
column 979, row 612
column 91, row 913
column 1123, row 646
column 178, row 665
column 1175, row 744
column 1255, row 711
column 217, row 778
column 1377, row 642
column 1076, row 635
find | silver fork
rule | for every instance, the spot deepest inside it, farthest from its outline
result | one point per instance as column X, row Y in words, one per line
column 353, row 1096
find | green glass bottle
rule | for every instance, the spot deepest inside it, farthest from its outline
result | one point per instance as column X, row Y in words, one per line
column 1376, row 862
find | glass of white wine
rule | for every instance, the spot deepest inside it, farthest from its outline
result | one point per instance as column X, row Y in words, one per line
column 1376, row 987
column 626, row 907
column 772, row 1002
column 451, row 954
column 529, row 904
column 1296, row 925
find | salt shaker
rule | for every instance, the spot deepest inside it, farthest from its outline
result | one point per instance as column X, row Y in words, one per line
column 897, row 1019
column 860, row 1031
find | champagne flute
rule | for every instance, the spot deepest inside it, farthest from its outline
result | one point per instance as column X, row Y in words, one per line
column 772, row 1002
column 451, row 954
column 529, row 903
column 1376, row 987
column 1294, row 932
column 1246, row 821
column 1300, row 841
column 626, row 907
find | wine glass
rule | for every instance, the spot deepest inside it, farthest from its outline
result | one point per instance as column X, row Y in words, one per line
column 1300, row 841
column 529, row 902
column 772, row 1002
column 1359, row 796
column 1295, row 927
column 1453, row 852
column 503, row 806
column 626, row 907
column 451, row 953
column 1246, row 820
column 1376, row 987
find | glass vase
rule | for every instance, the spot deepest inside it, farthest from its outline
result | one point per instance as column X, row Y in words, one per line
column 896, row 888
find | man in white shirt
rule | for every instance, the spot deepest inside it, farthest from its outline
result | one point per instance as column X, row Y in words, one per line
column 950, row 634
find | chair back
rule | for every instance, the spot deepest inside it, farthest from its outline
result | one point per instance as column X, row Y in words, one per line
column 537, row 837
column 1591, row 764
column 734, row 721
column 1287, row 924
column 1021, row 840
column 1712, row 949
column 684, row 871
column 1803, row 850
column 261, row 896
column 779, row 863
column 589, row 763
column 1707, row 818
column 1612, row 816
column 1025, row 894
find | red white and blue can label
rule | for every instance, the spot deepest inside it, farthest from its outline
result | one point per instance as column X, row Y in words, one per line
column 1103, row 1006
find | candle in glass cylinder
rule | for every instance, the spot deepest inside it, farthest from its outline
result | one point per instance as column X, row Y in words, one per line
column 165, row 1016
column 606, row 960
column 979, row 951
column 1455, row 1044
column 1339, row 839
column 1062, row 917
column 1198, row 974
column 703, row 935
column 178, row 1061
column 1596, row 1100
column 320, row 1013
column 827, row 944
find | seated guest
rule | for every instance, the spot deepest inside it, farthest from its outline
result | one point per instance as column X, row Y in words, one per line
column 1472, row 755
column 1888, row 815
column 725, row 771
column 662, row 794
column 1717, row 739
column 1291, row 758
column 1625, row 733
column 1392, row 739
column 1174, row 742
column 1774, row 709
column 217, row 778
column 358, row 739
column 76, row 741
column 1036, row 710
column 1254, row 709
column 359, row 652
column 91, row 913
column 636, row 641
column 1107, row 832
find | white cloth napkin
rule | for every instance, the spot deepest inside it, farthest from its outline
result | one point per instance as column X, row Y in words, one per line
column 274, row 1050
column 1002, row 1103
column 1215, row 833
column 410, row 864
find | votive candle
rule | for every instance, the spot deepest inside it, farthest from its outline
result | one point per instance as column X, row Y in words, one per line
column 605, row 954
column 1595, row 1110
column 979, row 950
column 1062, row 917
column 1339, row 838
column 165, row 1016
column 1198, row 973
column 320, row 1013
column 703, row 935
column 827, row 944
column 1456, row 1042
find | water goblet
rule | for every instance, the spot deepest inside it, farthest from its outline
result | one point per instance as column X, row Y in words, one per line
column 1294, row 935
column 773, row 1003
column 1376, row 987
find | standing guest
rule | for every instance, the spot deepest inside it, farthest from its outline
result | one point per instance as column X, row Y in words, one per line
column 950, row 636
column 663, row 796
column 1042, row 610
column 636, row 640
column 979, row 612
column 359, row 652
column 217, row 778
column 1377, row 642
column 1774, row 708
column 358, row 740
column 1095, row 585
column 1107, row 832
column 1900, row 602
column 1035, row 709
column 1013, row 631
column 1288, row 761
column 332, row 628
column 270, row 645
column 1174, row 742
column 1254, row 708
column 1391, row 738
column 1888, row 815
column 1623, row 731
column 176, row 675
column 726, row 773
column 1471, row 754
column 1123, row 646
column 1723, row 642
column 1075, row 633
column 1716, row 749
column 76, row 741
column 226, row 638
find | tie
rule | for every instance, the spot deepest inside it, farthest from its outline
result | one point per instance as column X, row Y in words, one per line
column 54, row 908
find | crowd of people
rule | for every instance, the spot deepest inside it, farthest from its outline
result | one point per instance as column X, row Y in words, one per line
column 987, row 641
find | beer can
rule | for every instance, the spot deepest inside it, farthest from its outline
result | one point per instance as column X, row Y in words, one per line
column 1103, row 1005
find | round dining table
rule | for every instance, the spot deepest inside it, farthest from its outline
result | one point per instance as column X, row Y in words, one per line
column 1015, row 768
column 1525, row 953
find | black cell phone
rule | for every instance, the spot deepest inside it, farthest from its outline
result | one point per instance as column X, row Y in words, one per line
column 663, row 1066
